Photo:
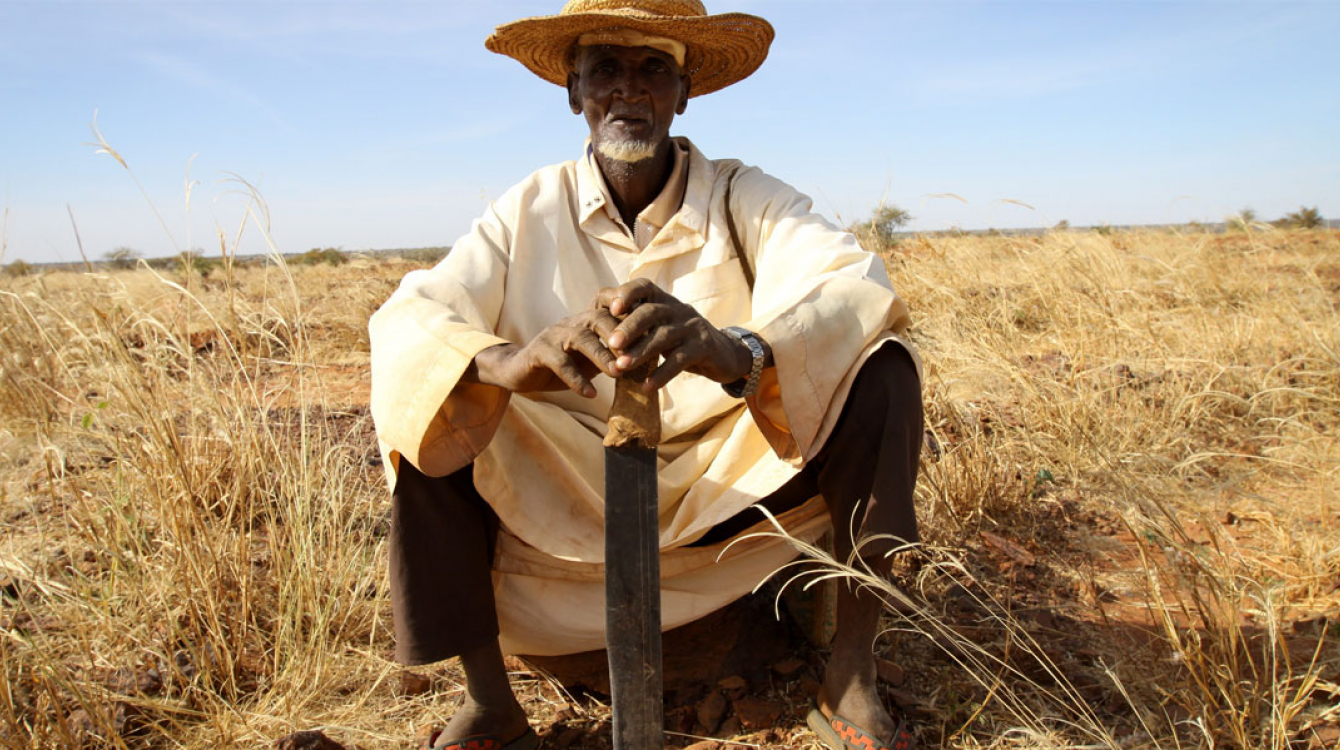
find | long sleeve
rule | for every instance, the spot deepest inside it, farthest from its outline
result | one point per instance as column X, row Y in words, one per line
column 819, row 300
column 423, row 339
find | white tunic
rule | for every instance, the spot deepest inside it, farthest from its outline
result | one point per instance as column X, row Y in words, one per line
column 540, row 253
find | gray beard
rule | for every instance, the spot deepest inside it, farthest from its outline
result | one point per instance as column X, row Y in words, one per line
column 629, row 152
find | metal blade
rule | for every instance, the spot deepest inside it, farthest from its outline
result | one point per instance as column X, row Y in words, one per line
column 633, row 597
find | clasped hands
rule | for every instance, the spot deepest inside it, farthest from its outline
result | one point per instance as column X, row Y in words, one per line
column 625, row 327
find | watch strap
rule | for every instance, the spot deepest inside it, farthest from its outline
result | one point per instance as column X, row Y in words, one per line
column 746, row 386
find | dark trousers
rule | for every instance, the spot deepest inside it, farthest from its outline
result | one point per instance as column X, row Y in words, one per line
column 443, row 532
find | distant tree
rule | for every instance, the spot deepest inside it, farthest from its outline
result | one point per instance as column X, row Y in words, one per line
column 122, row 257
column 18, row 268
column 1303, row 218
column 1062, row 226
column 1242, row 221
column 329, row 255
column 883, row 225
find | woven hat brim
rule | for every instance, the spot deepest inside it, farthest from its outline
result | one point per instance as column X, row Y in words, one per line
column 722, row 49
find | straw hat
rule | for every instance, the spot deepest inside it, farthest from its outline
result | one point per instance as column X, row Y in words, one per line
column 722, row 49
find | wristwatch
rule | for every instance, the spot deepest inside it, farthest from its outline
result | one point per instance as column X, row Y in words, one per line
column 746, row 386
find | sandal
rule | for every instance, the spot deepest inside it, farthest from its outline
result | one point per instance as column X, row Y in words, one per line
column 528, row 740
column 839, row 734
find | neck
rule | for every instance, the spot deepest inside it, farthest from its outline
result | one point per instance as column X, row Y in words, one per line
column 634, row 185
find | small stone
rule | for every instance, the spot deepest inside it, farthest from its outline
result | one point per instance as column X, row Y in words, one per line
column 734, row 682
column 185, row 664
column 758, row 713
column 311, row 739
column 730, row 727
column 712, row 710
column 889, row 672
column 930, row 445
column 1324, row 737
column 149, row 681
column 788, row 667
column 412, row 684
column 80, row 726
column 123, row 719
column 142, row 681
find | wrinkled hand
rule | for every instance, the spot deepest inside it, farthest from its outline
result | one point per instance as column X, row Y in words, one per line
column 651, row 322
column 567, row 354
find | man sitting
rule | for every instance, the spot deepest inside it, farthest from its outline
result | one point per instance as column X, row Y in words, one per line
column 783, row 379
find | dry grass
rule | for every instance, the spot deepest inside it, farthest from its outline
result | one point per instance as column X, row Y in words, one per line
column 1133, row 537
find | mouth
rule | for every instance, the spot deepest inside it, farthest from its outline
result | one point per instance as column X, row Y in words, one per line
column 628, row 118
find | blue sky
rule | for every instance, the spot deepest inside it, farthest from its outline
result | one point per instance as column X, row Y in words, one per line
column 387, row 124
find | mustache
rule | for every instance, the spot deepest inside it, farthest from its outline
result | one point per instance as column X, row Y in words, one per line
column 629, row 113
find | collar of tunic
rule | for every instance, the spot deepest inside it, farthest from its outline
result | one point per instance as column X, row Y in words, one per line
column 657, row 213
column 686, row 199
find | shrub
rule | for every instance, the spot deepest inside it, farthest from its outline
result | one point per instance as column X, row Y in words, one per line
column 330, row 255
column 1303, row 218
column 1242, row 221
column 18, row 268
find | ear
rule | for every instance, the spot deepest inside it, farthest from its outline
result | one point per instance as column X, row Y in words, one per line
column 574, row 101
column 683, row 95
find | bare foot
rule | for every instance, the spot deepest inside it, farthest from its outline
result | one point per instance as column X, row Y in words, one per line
column 506, row 722
column 849, row 691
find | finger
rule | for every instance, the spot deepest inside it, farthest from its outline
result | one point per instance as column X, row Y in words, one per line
column 600, row 321
column 638, row 323
column 657, row 341
column 626, row 297
column 675, row 362
column 560, row 363
column 586, row 343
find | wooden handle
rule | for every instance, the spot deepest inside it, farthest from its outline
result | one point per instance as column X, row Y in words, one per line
column 635, row 416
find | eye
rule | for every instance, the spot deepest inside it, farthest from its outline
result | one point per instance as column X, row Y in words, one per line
column 605, row 66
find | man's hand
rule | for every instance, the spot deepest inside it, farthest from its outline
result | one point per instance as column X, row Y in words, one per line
column 650, row 322
column 567, row 354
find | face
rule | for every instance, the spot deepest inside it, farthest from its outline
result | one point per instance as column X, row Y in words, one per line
column 629, row 95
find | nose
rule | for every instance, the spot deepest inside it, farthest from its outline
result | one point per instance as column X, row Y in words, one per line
column 629, row 86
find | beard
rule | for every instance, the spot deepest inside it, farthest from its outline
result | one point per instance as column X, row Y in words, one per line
column 629, row 152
